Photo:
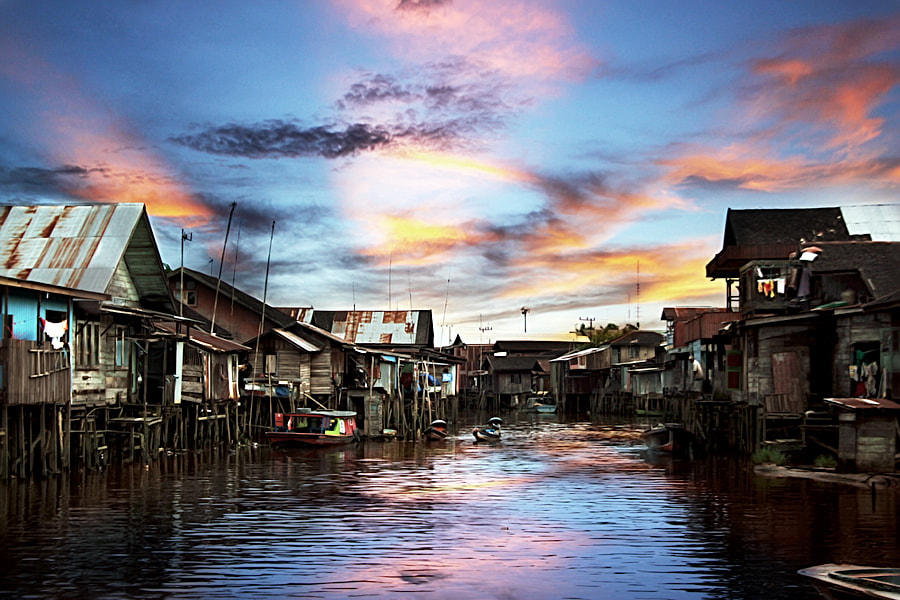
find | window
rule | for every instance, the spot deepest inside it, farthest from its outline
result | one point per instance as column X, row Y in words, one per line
column 191, row 299
column 123, row 349
column 87, row 345
column 634, row 351
column 733, row 367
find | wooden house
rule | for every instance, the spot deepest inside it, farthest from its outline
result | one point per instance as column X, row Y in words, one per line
column 108, row 254
column 237, row 313
column 36, row 375
column 511, row 378
column 867, row 437
column 816, row 321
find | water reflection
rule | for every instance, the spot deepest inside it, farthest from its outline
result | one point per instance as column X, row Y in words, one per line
column 557, row 509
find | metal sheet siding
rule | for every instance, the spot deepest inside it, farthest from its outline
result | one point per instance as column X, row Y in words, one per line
column 23, row 308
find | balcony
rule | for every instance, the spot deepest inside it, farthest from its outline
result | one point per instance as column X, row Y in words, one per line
column 769, row 287
column 32, row 373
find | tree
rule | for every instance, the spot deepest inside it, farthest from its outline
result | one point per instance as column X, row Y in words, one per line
column 604, row 334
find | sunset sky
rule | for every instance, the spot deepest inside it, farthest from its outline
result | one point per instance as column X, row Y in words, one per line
column 463, row 156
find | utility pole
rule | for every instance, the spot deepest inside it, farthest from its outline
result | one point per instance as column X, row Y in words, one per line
column 181, row 295
column 525, row 311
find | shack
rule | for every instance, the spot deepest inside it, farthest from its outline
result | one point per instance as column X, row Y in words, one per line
column 867, row 433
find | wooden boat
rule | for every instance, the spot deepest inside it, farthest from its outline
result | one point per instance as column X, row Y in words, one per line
column 490, row 432
column 314, row 428
column 665, row 437
column 436, row 432
column 854, row 581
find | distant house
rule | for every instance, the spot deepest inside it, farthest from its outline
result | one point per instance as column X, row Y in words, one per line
column 694, row 332
column 512, row 378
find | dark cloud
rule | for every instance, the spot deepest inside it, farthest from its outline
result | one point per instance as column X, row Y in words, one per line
column 375, row 89
column 288, row 140
column 39, row 180
column 277, row 139
column 422, row 5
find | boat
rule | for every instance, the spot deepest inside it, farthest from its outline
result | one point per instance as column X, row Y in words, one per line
column 436, row 432
column 854, row 581
column 314, row 428
column 490, row 432
column 665, row 437
column 534, row 404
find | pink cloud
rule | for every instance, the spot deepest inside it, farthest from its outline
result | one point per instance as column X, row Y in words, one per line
column 496, row 34
column 833, row 78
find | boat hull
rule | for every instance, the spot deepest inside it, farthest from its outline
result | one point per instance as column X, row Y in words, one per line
column 482, row 435
column 665, row 438
column 434, row 435
column 855, row 581
column 313, row 428
column 287, row 438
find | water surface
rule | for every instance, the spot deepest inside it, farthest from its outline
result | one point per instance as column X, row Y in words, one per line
column 557, row 510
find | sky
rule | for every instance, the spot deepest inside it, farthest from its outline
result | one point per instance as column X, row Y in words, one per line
column 573, row 158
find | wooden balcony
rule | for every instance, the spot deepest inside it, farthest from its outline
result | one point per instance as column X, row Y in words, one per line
column 32, row 373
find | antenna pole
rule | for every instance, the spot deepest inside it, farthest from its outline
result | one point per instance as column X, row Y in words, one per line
column 212, row 327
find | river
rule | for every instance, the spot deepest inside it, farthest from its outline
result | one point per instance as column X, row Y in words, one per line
column 556, row 510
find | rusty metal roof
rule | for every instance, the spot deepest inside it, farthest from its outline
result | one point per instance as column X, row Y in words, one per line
column 389, row 327
column 864, row 403
column 81, row 246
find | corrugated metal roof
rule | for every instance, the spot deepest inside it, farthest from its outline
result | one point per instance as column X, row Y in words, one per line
column 880, row 221
column 377, row 327
column 864, row 403
column 578, row 353
column 210, row 342
column 297, row 341
column 81, row 246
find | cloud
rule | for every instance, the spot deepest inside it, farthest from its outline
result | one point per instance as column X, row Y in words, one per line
column 102, row 158
column 832, row 78
column 499, row 33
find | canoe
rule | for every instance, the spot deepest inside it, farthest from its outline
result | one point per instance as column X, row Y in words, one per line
column 665, row 437
column 855, row 581
column 314, row 428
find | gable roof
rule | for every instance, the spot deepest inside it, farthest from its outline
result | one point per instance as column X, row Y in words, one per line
column 226, row 291
column 81, row 246
column 643, row 338
column 773, row 233
column 513, row 363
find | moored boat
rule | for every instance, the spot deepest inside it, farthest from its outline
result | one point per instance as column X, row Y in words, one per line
column 490, row 432
column 665, row 437
column 854, row 581
column 436, row 432
column 534, row 404
column 314, row 428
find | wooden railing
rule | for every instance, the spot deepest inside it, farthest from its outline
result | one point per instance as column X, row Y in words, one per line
column 34, row 373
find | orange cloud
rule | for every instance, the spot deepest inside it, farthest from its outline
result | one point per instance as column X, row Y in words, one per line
column 667, row 273
column 831, row 77
column 116, row 164
column 410, row 241
column 751, row 167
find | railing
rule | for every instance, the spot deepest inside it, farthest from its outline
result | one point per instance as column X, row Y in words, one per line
column 34, row 373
